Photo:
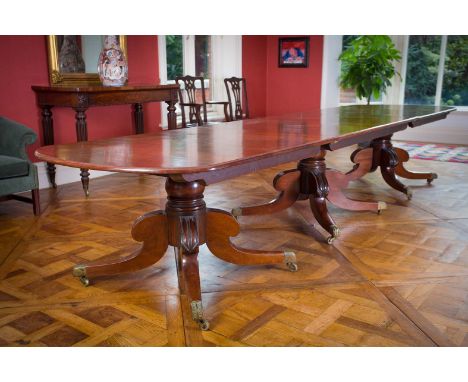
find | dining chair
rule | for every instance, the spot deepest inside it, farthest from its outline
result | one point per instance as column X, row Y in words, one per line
column 192, row 95
column 238, row 87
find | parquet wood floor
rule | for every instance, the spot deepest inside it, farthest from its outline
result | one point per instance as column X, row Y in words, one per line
column 395, row 279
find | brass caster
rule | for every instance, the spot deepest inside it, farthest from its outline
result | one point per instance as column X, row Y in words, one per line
column 86, row 192
column 292, row 267
column 85, row 281
column 236, row 212
column 433, row 176
column 204, row 324
column 197, row 315
column 409, row 194
column 381, row 206
column 290, row 261
column 80, row 272
column 334, row 235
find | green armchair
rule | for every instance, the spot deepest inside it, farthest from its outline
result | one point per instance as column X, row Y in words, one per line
column 17, row 173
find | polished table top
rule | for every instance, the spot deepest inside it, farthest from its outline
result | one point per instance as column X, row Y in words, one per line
column 220, row 146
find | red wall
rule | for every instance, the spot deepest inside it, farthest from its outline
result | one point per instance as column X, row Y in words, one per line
column 26, row 65
column 273, row 90
column 254, row 63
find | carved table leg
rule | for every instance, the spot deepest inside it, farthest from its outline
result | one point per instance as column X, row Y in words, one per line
column 189, row 283
column 338, row 181
column 287, row 183
column 48, row 135
column 314, row 183
column 186, row 215
column 221, row 226
column 386, row 157
column 82, row 135
column 400, row 170
column 151, row 229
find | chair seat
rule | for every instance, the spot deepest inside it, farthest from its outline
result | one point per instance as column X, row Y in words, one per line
column 12, row 167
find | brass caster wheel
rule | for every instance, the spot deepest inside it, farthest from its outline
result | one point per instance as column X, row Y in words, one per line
column 204, row 324
column 380, row 207
column 290, row 261
column 433, row 176
column 80, row 272
column 86, row 193
column 409, row 194
column 236, row 212
column 334, row 235
column 292, row 267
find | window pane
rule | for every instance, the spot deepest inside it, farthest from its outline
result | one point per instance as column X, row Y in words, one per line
column 174, row 56
column 347, row 95
column 203, row 63
column 455, row 84
column 422, row 68
column 203, row 56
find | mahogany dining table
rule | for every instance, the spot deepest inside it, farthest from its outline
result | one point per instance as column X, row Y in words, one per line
column 191, row 159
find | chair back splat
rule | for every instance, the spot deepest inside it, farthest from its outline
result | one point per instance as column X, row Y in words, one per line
column 238, row 88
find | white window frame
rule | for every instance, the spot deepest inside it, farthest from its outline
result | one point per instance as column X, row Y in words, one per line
column 226, row 61
column 440, row 72
column 396, row 92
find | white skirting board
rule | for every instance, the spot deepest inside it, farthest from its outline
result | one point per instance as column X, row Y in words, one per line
column 64, row 175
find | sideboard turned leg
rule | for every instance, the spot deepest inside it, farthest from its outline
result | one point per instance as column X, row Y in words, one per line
column 138, row 118
column 400, row 169
column 84, row 174
column 82, row 135
column 171, row 115
column 48, row 137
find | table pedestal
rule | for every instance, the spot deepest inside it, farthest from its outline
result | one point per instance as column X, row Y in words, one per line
column 312, row 180
column 185, row 224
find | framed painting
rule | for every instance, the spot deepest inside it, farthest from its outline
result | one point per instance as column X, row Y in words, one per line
column 293, row 52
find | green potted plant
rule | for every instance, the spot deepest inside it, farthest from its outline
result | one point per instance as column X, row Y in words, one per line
column 367, row 65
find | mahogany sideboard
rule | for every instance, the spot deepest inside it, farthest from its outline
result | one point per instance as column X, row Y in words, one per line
column 191, row 159
column 82, row 98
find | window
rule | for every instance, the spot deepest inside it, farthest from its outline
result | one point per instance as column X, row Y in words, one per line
column 174, row 57
column 422, row 68
column 211, row 57
column 347, row 95
column 455, row 83
column 437, row 70
column 189, row 55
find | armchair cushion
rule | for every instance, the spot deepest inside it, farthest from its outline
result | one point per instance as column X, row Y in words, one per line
column 11, row 167
column 14, row 137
